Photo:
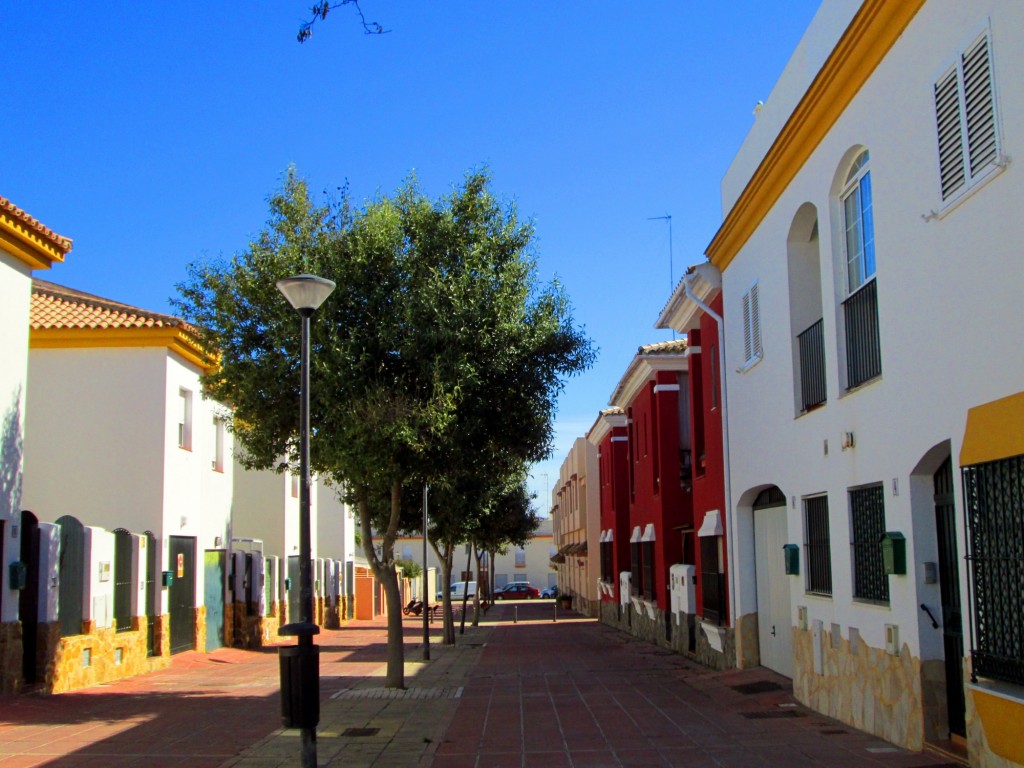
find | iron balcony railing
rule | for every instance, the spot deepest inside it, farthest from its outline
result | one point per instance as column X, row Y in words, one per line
column 812, row 366
column 863, row 351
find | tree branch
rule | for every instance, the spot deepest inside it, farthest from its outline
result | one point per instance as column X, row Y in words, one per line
column 320, row 11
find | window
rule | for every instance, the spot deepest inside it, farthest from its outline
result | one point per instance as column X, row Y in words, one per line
column 965, row 117
column 752, row 351
column 860, row 310
column 636, row 572
column 295, row 486
column 218, row 444
column 817, row 546
column 607, row 566
column 185, row 419
column 995, row 540
column 650, row 587
column 867, row 524
column 858, row 224
column 712, row 579
column 520, row 557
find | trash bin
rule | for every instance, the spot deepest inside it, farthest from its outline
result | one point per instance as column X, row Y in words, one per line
column 300, row 686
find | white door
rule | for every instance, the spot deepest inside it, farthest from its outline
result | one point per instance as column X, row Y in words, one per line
column 774, row 621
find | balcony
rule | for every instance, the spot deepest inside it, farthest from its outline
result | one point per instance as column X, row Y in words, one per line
column 863, row 351
column 811, row 344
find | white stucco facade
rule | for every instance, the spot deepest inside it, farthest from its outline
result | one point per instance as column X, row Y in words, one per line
column 105, row 446
column 266, row 506
column 15, row 290
column 948, row 282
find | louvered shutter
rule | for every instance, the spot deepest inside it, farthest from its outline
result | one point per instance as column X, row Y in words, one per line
column 980, row 106
column 747, row 340
column 951, row 151
column 755, row 321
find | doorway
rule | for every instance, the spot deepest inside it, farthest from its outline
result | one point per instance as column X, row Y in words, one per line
column 28, row 601
column 949, row 583
column 774, row 622
column 181, row 594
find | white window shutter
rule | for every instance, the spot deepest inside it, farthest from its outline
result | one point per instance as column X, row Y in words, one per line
column 951, row 152
column 747, row 340
column 755, row 321
column 980, row 106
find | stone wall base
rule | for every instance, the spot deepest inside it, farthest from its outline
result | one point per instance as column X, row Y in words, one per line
column 993, row 728
column 862, row 686
column 101, row 655
column 199, row 623
column 10, row 657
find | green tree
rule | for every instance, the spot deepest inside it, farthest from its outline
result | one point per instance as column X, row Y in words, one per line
column 438, row 342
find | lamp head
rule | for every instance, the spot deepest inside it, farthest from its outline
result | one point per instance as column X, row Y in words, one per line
column 306, row 292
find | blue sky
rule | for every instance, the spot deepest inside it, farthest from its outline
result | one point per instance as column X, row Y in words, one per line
column 152, row 134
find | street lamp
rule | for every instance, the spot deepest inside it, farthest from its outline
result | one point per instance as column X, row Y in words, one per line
column 300, row 664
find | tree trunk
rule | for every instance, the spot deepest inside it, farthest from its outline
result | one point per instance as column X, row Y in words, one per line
column 384, row 569
column 445, row 557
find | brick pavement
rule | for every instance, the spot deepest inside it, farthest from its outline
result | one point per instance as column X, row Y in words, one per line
column 533, row 693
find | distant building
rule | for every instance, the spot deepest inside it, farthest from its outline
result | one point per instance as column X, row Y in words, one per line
column 576, row 522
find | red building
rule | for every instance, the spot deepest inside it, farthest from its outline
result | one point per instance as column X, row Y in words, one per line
column 655, row 487
column 610, row 435
column 687, row 313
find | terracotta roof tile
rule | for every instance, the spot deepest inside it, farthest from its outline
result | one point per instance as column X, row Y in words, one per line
column 674, row 347
column 54, row 306
column 63, row 243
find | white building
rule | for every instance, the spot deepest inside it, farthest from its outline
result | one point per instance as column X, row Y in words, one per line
column 871, row 263
column 119, row 435
column 25, row 245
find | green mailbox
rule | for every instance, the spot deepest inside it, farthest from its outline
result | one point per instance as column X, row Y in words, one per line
column 791, row 557
column 894, row 553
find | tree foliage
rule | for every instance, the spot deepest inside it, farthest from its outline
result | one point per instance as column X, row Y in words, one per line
column 320, row 10
column 438, row 358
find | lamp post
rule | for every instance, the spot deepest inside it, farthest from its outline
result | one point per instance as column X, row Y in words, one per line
column 300, row 664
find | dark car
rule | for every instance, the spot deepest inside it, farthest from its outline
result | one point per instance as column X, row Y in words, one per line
column 517, row 590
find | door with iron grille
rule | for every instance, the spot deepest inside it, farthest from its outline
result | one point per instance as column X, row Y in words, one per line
column 152, row 593
column 181, row 595
column 122, row 580
column 72, row 575
column 949, row 582
column 28, row 600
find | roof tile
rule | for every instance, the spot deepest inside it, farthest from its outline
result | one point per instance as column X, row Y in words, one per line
column 55, row 306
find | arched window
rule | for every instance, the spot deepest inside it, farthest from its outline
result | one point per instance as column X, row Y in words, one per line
column 858, row 223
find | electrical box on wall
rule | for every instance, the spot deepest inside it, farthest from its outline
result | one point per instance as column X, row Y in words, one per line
column 892, row 639
column 801, row 617
column 791, row 557
column 894, row 553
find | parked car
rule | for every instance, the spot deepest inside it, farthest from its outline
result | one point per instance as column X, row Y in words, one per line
column 458, row 590
column 517, row 590
column 551, row 591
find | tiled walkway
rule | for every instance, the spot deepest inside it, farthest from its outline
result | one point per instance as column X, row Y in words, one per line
column 527, row 693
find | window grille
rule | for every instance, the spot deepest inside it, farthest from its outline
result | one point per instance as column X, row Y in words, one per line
column 817, row 546
column 650, row 590
column 994, row 508
column 607, row 574
column 863, row 350
column 812, row 366
column 122, row 580
column 712, row 580
column 968, row 139
column 867, row 523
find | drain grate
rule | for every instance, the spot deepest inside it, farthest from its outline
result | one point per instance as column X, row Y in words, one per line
column 398, row 693
column 360, row 732
column 761, row 686
column 772, row 714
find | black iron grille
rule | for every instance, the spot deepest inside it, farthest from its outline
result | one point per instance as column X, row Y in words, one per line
column 817, row 546
column 863, row 351
column 867, row 513
column 812, row 366
column 994, row 501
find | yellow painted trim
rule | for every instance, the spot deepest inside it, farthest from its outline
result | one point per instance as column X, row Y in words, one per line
column 994, row 431
column 866, row 41
column 175, row 339
column 29, row 246
column 1002, row 720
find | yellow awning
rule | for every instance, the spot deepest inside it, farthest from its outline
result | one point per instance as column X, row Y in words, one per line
column 994, row 431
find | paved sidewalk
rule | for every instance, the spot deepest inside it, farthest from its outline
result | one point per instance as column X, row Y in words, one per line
column 520, row 693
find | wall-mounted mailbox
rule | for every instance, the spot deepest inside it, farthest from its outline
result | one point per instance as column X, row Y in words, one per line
column 287, row 584
column 18, row 575
column 166, row 578
column 894, row 553
column 791, row 557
